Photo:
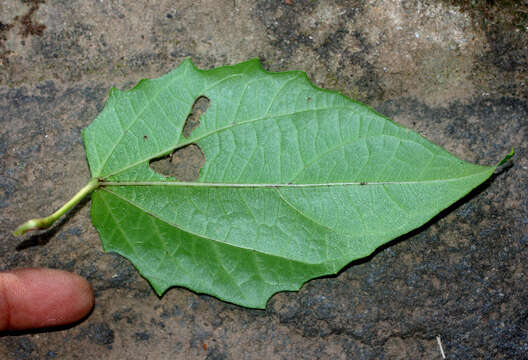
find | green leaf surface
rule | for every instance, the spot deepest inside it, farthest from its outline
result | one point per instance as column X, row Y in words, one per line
column 298, row 181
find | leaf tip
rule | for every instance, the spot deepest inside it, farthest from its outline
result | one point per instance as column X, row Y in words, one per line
column 507, row 157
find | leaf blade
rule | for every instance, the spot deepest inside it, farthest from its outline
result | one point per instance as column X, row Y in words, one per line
column 199, row 273
column 296, row 178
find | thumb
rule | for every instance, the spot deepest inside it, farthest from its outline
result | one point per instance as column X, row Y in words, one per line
column 35, row 298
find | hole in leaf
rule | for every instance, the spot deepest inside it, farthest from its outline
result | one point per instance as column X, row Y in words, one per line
column 184, row 164
column 199, row 107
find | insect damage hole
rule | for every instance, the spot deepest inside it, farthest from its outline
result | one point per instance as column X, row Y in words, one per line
column 200, row 106
column 185, row 163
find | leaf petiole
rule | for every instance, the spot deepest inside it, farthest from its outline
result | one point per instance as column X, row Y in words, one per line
column 46, row 222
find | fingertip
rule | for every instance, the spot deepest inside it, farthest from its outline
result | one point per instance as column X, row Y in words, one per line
column 35, row 298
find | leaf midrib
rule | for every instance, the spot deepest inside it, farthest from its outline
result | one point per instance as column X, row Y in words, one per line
column 279, row 185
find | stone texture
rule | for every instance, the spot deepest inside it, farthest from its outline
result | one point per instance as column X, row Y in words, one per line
column 455, row 71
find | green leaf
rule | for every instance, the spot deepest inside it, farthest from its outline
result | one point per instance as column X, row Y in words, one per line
column 298, row 181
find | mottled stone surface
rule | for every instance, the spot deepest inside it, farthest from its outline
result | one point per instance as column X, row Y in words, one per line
column 455, row 71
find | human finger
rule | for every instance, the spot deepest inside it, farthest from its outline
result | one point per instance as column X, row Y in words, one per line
column 36, row 298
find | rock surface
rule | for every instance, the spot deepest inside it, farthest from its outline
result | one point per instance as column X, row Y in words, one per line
column 455, row 71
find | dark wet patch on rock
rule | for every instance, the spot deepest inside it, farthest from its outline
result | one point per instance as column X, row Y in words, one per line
column 508, row 50
column 142, row 336
column 21, row 348
column 281, row 22
column 99, row 333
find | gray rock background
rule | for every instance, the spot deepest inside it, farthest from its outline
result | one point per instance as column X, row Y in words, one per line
column 454, row 71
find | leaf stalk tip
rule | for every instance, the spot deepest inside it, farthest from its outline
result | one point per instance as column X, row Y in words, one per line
column 46, row 222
